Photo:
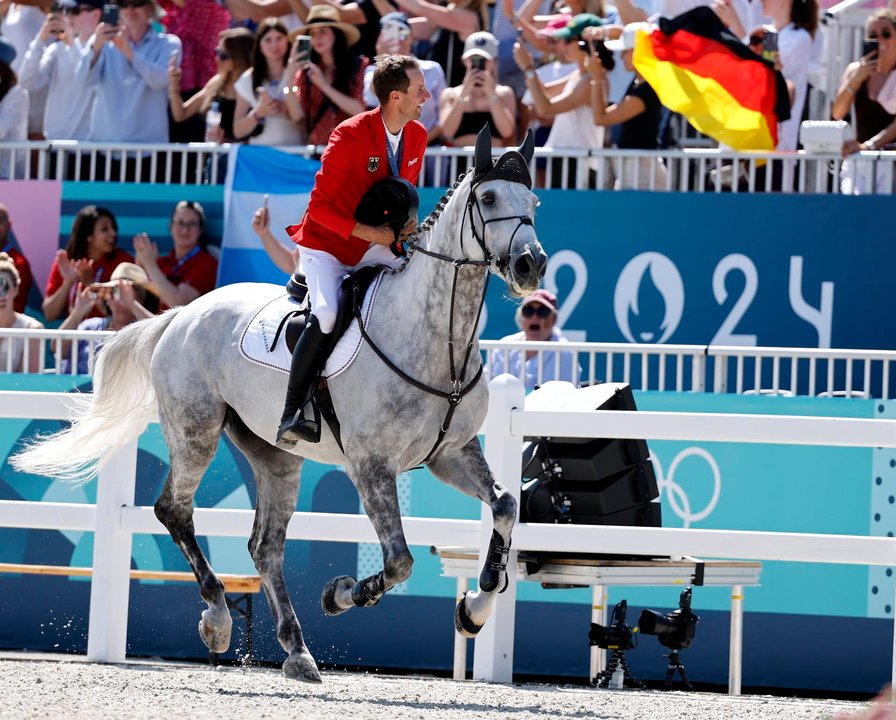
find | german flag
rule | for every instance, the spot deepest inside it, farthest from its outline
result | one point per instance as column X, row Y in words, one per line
column 725, row 90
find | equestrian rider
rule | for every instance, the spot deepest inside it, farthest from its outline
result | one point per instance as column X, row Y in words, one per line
column 387, row 141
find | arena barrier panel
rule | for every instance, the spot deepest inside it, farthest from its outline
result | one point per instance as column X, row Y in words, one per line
column 115, row 518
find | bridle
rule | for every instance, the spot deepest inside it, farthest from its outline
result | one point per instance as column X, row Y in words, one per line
column 493, row 262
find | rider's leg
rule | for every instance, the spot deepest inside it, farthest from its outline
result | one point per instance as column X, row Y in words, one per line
column 322, row 272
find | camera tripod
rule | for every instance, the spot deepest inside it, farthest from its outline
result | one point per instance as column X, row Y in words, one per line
column 673, row 667
column 617, row 660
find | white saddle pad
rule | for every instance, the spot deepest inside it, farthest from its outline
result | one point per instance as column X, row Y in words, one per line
column 258, row 336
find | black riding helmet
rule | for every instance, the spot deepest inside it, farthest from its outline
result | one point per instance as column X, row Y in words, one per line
column 391, row 201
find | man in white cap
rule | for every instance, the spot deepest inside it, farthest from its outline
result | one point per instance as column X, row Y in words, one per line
column 537, row 319
column 395, row 39
column 479, row 101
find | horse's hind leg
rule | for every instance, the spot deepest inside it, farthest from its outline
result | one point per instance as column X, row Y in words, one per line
column 192, row 442
column 375, row 481
column 467, row 471
column 277, row 480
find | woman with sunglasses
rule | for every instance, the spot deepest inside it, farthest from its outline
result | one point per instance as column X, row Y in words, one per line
column 537, row 318
column 233, row 56
column 198, row 24
column 189, row 270
column 869, row 84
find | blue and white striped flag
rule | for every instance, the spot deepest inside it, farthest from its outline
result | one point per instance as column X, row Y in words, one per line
column 253, row 172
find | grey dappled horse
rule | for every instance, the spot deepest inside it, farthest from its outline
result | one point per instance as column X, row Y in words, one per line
column 186, row 365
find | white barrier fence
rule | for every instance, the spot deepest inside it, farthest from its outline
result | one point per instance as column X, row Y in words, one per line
column 115, row 518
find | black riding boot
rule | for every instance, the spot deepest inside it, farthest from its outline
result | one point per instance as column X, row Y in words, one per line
column 306, row 362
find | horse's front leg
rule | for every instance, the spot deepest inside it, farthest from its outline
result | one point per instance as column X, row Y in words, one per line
column 467, row 471
column 375, row 480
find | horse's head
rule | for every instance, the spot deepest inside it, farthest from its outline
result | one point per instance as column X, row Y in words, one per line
column 501, row 210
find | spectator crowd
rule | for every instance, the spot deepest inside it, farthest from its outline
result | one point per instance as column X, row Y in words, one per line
column 287, row 72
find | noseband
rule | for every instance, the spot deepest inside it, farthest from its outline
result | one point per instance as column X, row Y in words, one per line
column 458, row 389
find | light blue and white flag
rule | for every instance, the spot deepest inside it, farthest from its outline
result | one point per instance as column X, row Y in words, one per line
column 252, row 173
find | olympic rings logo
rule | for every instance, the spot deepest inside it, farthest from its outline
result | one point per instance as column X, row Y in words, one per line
column 675, row 493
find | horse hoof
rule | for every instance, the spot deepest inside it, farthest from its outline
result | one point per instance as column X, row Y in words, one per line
column 301, row 666
column 214, row 630
column 338, row 587
column 462, row 622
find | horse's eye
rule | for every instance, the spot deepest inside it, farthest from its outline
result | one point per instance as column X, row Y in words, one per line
column 488, row 198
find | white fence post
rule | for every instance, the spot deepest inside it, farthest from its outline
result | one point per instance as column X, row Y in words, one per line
column 110, row 589
column 493, row 653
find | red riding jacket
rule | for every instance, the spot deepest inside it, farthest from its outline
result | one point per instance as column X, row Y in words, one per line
column 354, row 160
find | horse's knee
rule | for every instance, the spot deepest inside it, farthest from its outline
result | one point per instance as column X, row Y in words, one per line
column 504, row 509
column 398, row 569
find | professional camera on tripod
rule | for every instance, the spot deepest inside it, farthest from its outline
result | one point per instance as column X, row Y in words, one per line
column 674, row 630
column 617, row 637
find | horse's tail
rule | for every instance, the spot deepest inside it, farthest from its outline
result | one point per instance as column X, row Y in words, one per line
column 122, row 404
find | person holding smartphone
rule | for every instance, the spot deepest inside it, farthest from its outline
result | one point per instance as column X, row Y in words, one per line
column 568, row 101
column 51, row 64
column 869, row 85
column 261, row 113
column 479, row 101
column 329, row 85
column 127, row 61
column 396, row 38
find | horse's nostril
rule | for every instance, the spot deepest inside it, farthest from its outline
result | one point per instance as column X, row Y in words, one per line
column 523, row 266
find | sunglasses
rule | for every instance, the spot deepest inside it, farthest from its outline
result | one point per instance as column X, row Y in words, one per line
column 187, row 224
column 541, row 311
column 78, row 9
column 133, row 3
column 885, row 34
column 221, row 55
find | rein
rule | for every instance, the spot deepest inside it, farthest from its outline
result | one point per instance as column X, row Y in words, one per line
column 458, row 389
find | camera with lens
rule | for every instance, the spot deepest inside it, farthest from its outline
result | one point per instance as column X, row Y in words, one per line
column 674, row 630
column 617, row 635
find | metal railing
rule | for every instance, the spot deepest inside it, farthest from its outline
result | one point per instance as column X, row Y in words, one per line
column 678, row 368
column 710, row 368
column 682, row 170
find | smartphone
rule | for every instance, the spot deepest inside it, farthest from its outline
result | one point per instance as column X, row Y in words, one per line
column 303, row 48
column 110, row 14
column 770, row 46
column 869, row 46
column 477, row 62
column 266, row 201
column 57, row 8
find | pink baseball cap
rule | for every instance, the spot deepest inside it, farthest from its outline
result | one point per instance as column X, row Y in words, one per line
column 555, row 23
column 542, row 296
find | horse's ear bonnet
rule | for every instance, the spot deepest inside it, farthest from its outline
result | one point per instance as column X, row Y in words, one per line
column 513, row 165
column 391, row 201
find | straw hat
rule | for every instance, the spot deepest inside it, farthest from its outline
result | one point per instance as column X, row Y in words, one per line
column 327, row 16
column 134, row 273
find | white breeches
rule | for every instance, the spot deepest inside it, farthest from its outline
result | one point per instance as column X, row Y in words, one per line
column 324, row 274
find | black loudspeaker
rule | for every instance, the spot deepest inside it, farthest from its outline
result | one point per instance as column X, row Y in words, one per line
column 599, row 481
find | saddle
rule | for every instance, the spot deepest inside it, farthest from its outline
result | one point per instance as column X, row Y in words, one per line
column 354, row 289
